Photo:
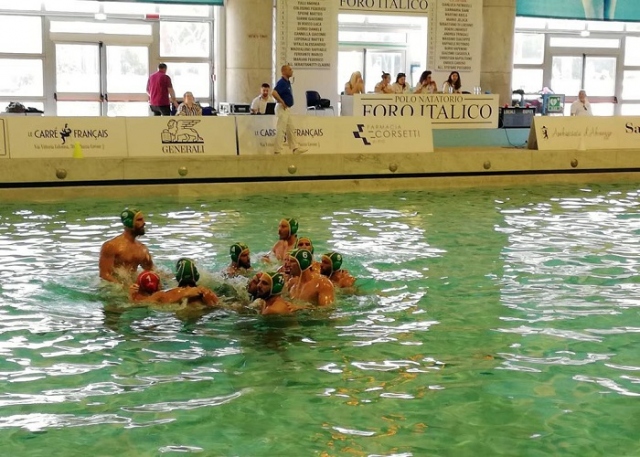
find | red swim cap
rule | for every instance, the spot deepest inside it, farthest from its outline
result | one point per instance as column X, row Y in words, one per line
column 148, row 281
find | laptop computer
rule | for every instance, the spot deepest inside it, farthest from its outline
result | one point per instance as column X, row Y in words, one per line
column 270, row 109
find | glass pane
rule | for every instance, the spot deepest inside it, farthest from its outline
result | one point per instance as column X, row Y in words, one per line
column 600, row 76
column 380, row 61
column 28, row 28
column 408, row 21
column 184, row 39
column 605, row 26
column 345, row 18
column 72, row 6
column 26, row 103
column 566, row 75
column 629, row 109
column 128, row 109
column 565, row 24
column 23, row 77
column 127, row 69
column 24, row 5
column 372, row 37
column 77, row 68
column 185, row 10
column 348, row 62
column 528, row 80
column 530, row 23
column 631, row 54
column 78, row 108
column 128, row 8
column 631, row 85
column 189, row 76
column 602, row 109
column 601, row 43
column 102, row 27
column 633, row 27
column 528, row 48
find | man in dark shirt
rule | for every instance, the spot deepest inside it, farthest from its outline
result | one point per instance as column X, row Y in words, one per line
column 161, row 93
column 284, row 97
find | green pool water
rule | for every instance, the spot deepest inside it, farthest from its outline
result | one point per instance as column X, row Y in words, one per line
column 486, row 322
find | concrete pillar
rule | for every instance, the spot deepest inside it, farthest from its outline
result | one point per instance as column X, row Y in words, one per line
column 249, row 40
column 498, row 27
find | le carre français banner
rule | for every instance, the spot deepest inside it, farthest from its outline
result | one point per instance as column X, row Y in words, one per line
column 594, row 10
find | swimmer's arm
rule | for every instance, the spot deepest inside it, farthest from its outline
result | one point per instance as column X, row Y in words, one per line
column 209, row 297
column 175, row 295
column 325, row 293
column 107, row 262
column 281, row 307
column 147, row 263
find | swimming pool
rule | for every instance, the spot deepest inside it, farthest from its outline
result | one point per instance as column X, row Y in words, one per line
column 487, row 322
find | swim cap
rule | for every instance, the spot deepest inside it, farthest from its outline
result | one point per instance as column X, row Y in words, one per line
column 277, row 282
column 308, row 240
column 148, row 281
column 186, row 273
column 236, row 250
column 293, row 225
column 303, row 257
column 127, row 217
column 335, row 259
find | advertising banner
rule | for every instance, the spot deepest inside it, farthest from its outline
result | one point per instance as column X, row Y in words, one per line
column 584, row 133
column 404, row 7
column 43, row 136
column 599, row 10
column 177, row 136
column 4, row 147
column 446, row 111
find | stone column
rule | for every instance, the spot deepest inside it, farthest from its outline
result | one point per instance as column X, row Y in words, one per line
column 249, row 40
column 498, row 27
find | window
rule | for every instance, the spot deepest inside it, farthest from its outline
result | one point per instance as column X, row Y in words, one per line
column 185, row 10
column 601, row 43
column 184, row 39
column 605, row 26
column 631, row 85
column 22, row 5
column 21, row 77
column 529, row 80
column 629, row 109
column 72, row 6
column 77, row 68
column 565, row 24
column 28, row 28
column 372, row 37
column 108, row 28
column 530, row 23
column 128, row 8
column 528, row 48
column 78, row 108
column 190, row 76
column 631, row 54
column 127, row 68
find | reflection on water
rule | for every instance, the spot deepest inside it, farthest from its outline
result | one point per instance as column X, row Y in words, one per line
column 485, row 322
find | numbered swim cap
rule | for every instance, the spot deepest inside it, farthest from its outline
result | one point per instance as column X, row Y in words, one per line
column 236, row 250
column 335, row 259
column 303, row 257
column 127, row 217
column 186, row 273
column 305, row 243
column 293, row 225
column 148, row 281
column 277, row 281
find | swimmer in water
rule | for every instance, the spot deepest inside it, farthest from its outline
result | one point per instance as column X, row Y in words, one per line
column 188, row 276
column 147, row 290
column 125, row 251
column 305, row 284
column 269, row 288
column 305, row 242
column 240, row 260
column 331, row 268
column 287, row 231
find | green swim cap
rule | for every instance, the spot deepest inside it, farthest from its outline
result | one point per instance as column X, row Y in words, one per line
column 236, row 250
column 127, row 216
column 305, row 238
column 186, row 272
column 335, row 259
column 293, row 225
column 303, row 257
column 277, row 282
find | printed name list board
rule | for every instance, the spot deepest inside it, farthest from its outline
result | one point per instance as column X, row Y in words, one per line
column 455, row 35
column 306, row 31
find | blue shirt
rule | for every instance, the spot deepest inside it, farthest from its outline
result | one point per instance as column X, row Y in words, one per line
column 283, row 88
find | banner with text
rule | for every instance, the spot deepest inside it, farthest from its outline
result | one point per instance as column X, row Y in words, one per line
column 585, row 133
column 599, row 10
column 450, row 111
column 405, row 7
column 337, row 135
column 4, row 147
column 36, row 136
column 181, row 136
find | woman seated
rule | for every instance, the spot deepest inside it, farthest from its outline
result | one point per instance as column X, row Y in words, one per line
column 384, row 86
column 426, row 85
column 453, row 85
column 400, row 86
column 355, row 85
column 189, row 107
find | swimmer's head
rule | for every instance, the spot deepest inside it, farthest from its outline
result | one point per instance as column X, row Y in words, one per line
column 133, row 219
column 331, row 261
column 252, row 286
column 149, row 282
column 305, row 243
column 271, row 283
column 299, row 261
column 287, row 228
column 240, row 255
column 186, row 273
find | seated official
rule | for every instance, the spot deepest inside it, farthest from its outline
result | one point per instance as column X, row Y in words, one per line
column 259, row 104
column 400, row 86
column 189, row 107
column 355, row 85
column 453, row 85
column 384, row 86
column 426, row 85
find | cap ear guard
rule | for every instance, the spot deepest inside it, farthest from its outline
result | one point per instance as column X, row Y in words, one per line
column 293, row 226
column 128, row 216
column 277, row 282
column 303, row 257
column 236, row 250
column 335, row 259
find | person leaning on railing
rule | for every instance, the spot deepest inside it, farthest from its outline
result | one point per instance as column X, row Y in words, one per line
column 189, row 107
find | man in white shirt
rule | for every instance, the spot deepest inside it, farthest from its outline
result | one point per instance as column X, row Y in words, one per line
column 259, row 104
column 581, row 107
